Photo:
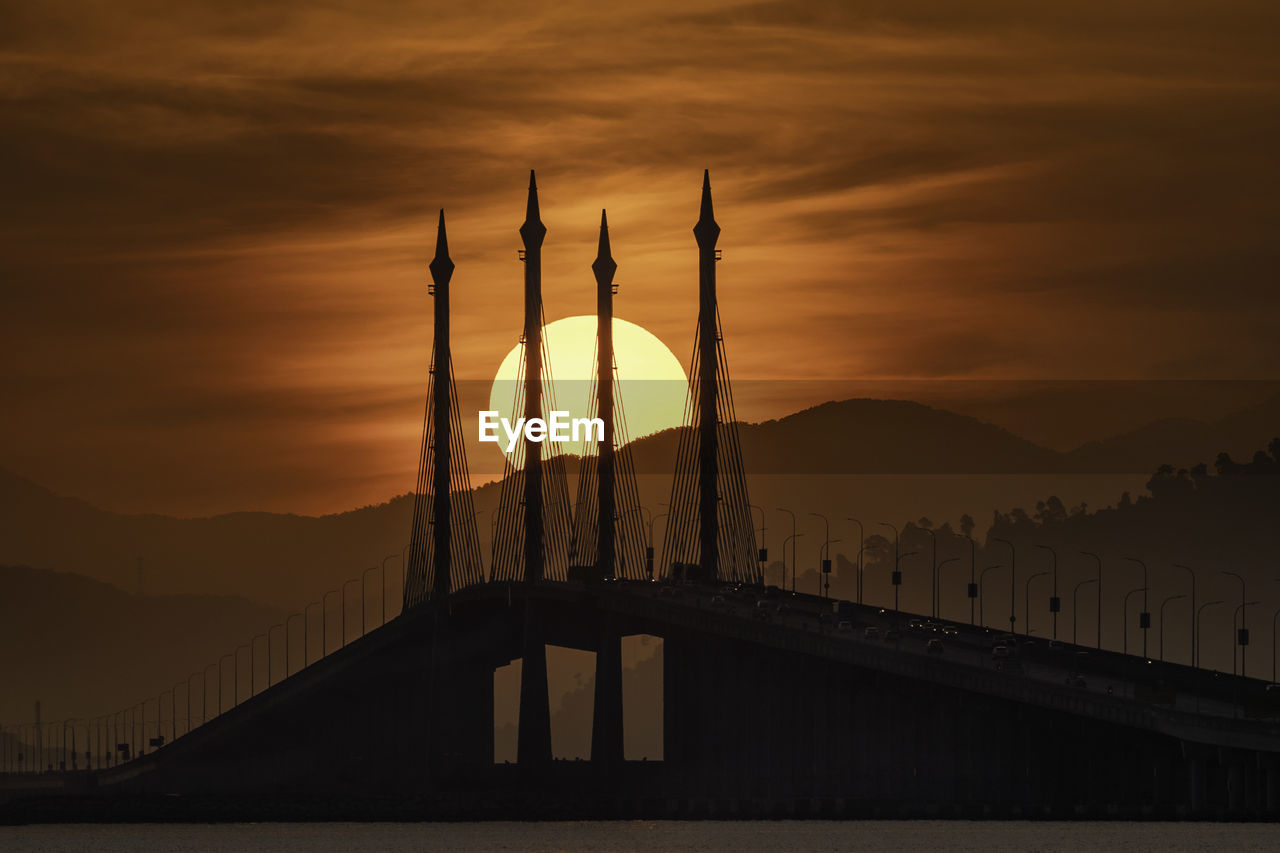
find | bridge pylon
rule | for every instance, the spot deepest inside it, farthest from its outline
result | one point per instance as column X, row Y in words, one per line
column 444, row 549
column 532, row 531
column 610, row 539
column 710, row 531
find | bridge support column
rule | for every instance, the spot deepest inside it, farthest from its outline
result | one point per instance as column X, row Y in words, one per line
column 533, row 746
column 1196, row 773
column 606, row 724
column 459, row 704
column 1269, row 768
column 674, row 704
column 1236, row 800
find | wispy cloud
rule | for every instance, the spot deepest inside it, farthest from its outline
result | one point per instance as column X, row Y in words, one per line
column 218, row 216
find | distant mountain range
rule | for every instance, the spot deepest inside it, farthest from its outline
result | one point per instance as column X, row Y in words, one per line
column 283, row 559
column 84, row 647
column 866, row 436
column 287, row 560
column 1183, row 442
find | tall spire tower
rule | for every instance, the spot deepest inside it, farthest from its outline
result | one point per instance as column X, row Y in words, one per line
column 444, row 550
column 532, row 233
column 604, row 269
column 531, row 533
column 609, row 536
column 710, row 529
column 442, row 506
column 707, row 232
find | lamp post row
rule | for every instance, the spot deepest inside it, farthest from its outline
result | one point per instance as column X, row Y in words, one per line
column 1240, row 629
column 127, row 728
column 134, row 725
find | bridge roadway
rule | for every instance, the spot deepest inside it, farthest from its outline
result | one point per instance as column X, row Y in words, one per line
column 1196, row 704
column 770, row 707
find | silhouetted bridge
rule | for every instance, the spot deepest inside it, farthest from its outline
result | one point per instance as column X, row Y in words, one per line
column 778, row 716
column 771, row 705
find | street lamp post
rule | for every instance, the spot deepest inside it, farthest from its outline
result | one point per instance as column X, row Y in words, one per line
column 973, row 581
column 933, row 572
column 790, row 539
column 72, row 725
column 1055, row 603
column 363, row 575
column 1013, row 587
column 1162, row 604
column 653, row 541
column 346, row 584
column 824, row 568
column 160, row 712
column 824, row 576
column 1075, row 605
column 981, row 599
column 1243, row 631
column 1242, row 634
column 204, row 687
column 235, row 673
column 287, row 623
column 1099, row 561
column 306, row 632
column 189, row 677
column 173, row 712
column 1026, row 602
column 861, row 544
column 896, row 577
column 1195, row 661
column 283, row 626
column 1144, row 618
column 939, row 570
column 793, row 552
column 1191, row 572
column 382, row 617
column 253, row 649
column 220, row 660
column 1124, row 620
column 324, row 621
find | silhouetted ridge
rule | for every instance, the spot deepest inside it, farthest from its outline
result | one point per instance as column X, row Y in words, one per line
column 865, row 436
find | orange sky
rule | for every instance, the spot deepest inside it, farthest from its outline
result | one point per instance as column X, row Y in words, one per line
column 216, row 224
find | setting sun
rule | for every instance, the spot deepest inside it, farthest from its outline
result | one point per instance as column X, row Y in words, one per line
column 650, row 384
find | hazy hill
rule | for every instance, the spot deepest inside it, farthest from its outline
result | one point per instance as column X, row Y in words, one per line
column 294, row 558
column 84, row 647
column 865, row 436
column 1181, row 442
column 888, row 436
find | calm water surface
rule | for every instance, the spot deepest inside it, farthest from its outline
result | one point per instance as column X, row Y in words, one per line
column 645, row 836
